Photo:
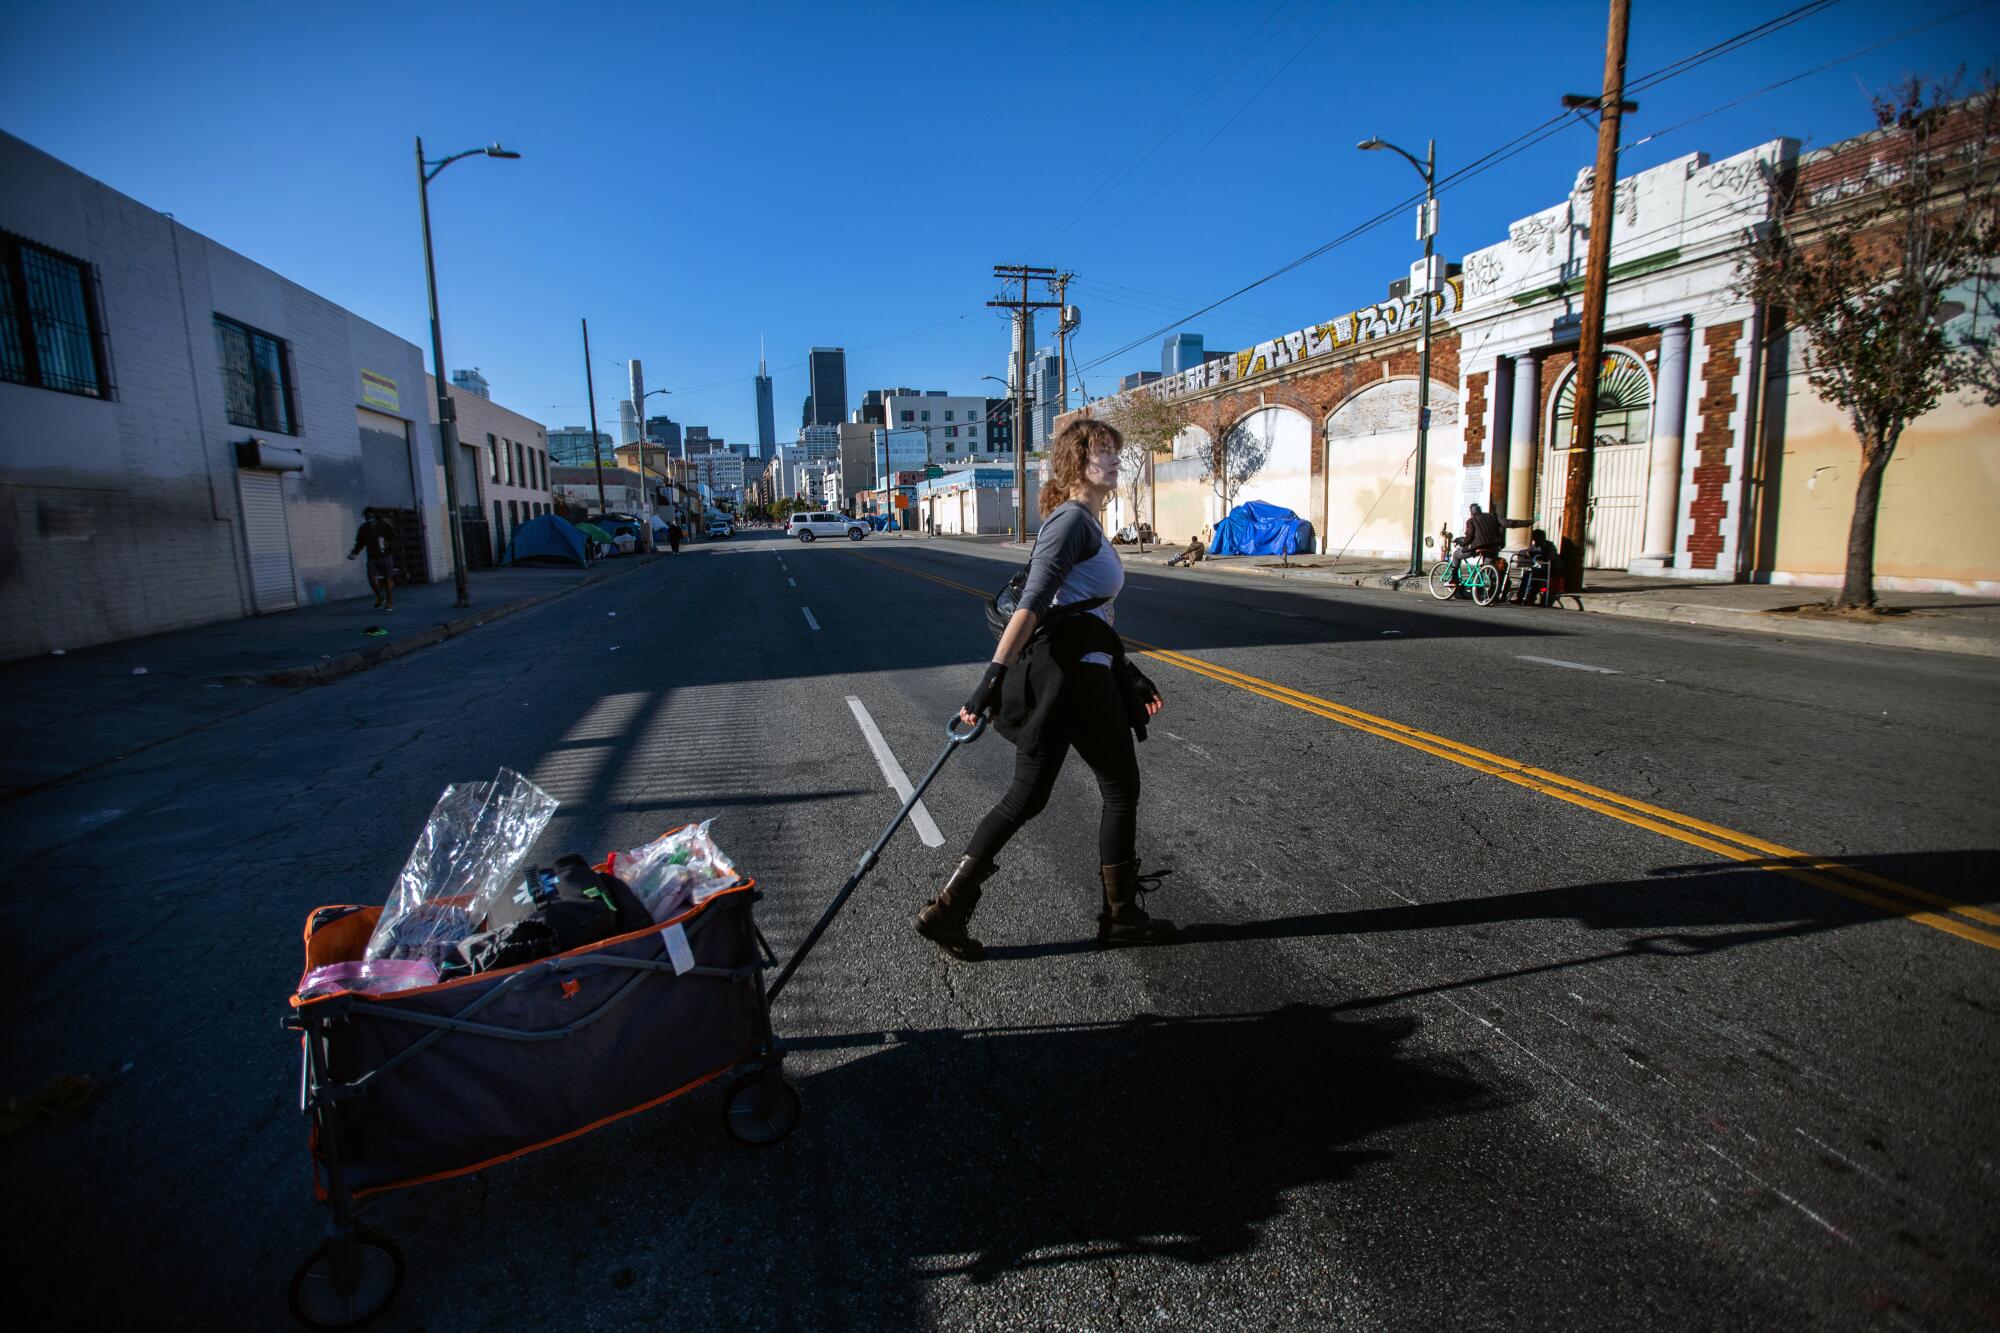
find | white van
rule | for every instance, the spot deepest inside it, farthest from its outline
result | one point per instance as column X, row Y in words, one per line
column 809, row 527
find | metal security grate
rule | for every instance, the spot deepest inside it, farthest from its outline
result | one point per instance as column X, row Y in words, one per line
column 48, row 323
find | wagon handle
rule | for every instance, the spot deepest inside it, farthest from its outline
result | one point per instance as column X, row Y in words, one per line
column 955, row 738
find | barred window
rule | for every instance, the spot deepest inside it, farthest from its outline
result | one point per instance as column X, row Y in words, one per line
column 256, row 379
column 49, row 328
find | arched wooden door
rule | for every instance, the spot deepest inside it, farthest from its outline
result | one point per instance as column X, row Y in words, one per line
column 1615, row 518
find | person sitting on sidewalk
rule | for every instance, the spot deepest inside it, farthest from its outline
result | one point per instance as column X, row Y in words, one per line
column 377, row 535
column 1534, row 563
column 1195, row 552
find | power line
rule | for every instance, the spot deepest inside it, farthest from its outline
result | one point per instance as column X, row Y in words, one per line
column 1166, row 130
column 1512, row 148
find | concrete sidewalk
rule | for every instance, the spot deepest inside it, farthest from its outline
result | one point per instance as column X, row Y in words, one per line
column 1939, row 622
column 77, row 711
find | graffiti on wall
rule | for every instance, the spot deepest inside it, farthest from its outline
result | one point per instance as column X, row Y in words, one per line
column 1367, row 324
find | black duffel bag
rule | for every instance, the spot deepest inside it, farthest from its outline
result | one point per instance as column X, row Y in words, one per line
column 552, row 910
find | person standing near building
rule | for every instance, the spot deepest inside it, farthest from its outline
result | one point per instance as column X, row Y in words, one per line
column 674, row 536
column 1059, row 681
column 377, row 536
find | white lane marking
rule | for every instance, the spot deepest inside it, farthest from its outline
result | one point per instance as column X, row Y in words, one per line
column 892, row 772
column 791, row 583
column 1573, row 666
column 809, row 617
column 1289, row 615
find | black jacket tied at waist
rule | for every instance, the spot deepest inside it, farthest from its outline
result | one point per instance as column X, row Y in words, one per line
column 1031, row 691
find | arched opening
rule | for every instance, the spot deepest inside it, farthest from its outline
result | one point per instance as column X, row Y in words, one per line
column 1371, row 448
column 1615, row 517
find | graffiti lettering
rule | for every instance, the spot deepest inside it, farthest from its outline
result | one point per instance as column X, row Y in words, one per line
column 1360, row 326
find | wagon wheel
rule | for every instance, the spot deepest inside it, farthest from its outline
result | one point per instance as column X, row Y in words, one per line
column 761, row 1110
column 325, row 1296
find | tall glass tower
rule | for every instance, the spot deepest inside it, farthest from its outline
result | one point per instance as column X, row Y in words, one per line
column 826, row 376
column 767, row 420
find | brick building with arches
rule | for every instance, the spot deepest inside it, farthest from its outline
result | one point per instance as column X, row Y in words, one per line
column 1714, row 459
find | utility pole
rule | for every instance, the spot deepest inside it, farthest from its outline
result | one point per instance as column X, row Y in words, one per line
column 1611, row 107
column 1023, row 274
column 1059, row 283
column 590, row 387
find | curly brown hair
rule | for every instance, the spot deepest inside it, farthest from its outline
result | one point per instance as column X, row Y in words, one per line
column 1070, row 454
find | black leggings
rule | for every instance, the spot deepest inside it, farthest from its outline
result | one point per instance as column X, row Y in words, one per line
column 1089, row 717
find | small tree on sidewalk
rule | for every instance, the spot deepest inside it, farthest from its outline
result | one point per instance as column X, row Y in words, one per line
column 1149, row 423
column 1861, row 268
column 1233, row 455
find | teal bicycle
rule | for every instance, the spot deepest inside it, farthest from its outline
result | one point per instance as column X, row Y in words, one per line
column 1479, row 577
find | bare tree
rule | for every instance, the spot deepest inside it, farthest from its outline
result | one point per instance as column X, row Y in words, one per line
column 1234, row 454
column 1862, row 268
column 1149, row 422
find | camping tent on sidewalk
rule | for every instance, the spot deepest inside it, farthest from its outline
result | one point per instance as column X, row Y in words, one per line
column 546, row 539
column 1257, row 528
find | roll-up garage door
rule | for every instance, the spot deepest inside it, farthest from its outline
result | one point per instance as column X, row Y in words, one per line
column 268, row 534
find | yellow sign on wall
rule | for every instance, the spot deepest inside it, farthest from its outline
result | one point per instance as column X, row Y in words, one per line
column 378, row 390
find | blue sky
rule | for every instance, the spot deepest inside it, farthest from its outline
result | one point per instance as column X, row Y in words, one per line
column 694, row 176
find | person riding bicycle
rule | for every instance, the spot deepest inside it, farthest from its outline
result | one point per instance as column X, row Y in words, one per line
column 1484, row 534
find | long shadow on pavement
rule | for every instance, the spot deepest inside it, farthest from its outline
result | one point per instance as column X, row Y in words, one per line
column 1692, row 909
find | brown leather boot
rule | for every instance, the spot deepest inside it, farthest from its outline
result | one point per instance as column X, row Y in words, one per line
column 943, row 919
column 1123, row 922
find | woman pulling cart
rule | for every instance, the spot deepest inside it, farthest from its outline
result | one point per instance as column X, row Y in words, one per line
column 1059, row 681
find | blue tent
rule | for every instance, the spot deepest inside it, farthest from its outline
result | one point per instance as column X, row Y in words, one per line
column 547, row 538
column 1257, row 528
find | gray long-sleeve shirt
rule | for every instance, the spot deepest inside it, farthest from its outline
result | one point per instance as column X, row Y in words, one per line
column 1072, row 562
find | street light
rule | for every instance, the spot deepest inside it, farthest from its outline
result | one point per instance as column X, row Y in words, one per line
column 639, row 411
column 1427, row 228
column 447, row 410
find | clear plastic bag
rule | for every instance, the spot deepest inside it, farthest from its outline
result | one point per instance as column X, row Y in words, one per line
column 676, row 871
column 471, row 849
column 377, row 977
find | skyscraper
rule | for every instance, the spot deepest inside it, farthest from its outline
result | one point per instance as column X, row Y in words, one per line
column 1013, row 354
column 826, row 377
column 666, row 431
column 1180, row 352
column 767, row 420
column 1044, row 385
column 472, row 382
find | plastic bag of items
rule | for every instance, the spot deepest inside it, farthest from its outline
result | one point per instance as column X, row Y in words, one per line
column 471, row 850
column 675, row 871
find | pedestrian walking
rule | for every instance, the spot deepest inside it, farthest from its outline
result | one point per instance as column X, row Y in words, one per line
column 377, row 536
column 1060, row 681
column 674, row 536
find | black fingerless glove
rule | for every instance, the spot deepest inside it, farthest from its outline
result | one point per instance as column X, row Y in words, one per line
column 986, row 698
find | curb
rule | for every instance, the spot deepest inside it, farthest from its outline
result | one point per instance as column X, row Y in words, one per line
column 361, row 659
column 1798, row 627
column 1717, row 617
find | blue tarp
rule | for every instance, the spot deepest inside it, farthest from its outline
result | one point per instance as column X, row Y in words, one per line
column 1257, row 528
column 548, row 537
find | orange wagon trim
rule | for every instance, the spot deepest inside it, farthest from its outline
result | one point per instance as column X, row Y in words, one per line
column 320, row 1191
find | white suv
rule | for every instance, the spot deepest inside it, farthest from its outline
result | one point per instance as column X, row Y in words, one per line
column 808, row 527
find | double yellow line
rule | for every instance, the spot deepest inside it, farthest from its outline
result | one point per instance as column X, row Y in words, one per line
column 1954, row 918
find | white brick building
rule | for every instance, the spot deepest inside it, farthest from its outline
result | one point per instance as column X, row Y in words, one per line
column 132, row 499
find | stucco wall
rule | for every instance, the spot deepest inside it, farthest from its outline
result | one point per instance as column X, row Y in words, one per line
column 1940, row 495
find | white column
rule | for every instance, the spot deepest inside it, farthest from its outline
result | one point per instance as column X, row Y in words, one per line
column 1663, row 482
column 1521, row 438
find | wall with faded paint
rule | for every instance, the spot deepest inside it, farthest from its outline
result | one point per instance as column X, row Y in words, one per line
column 1936, row 528
column 1285, row 476
column 1371, row 444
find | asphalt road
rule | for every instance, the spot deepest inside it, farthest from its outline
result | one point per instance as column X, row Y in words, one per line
column 1516, row 990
